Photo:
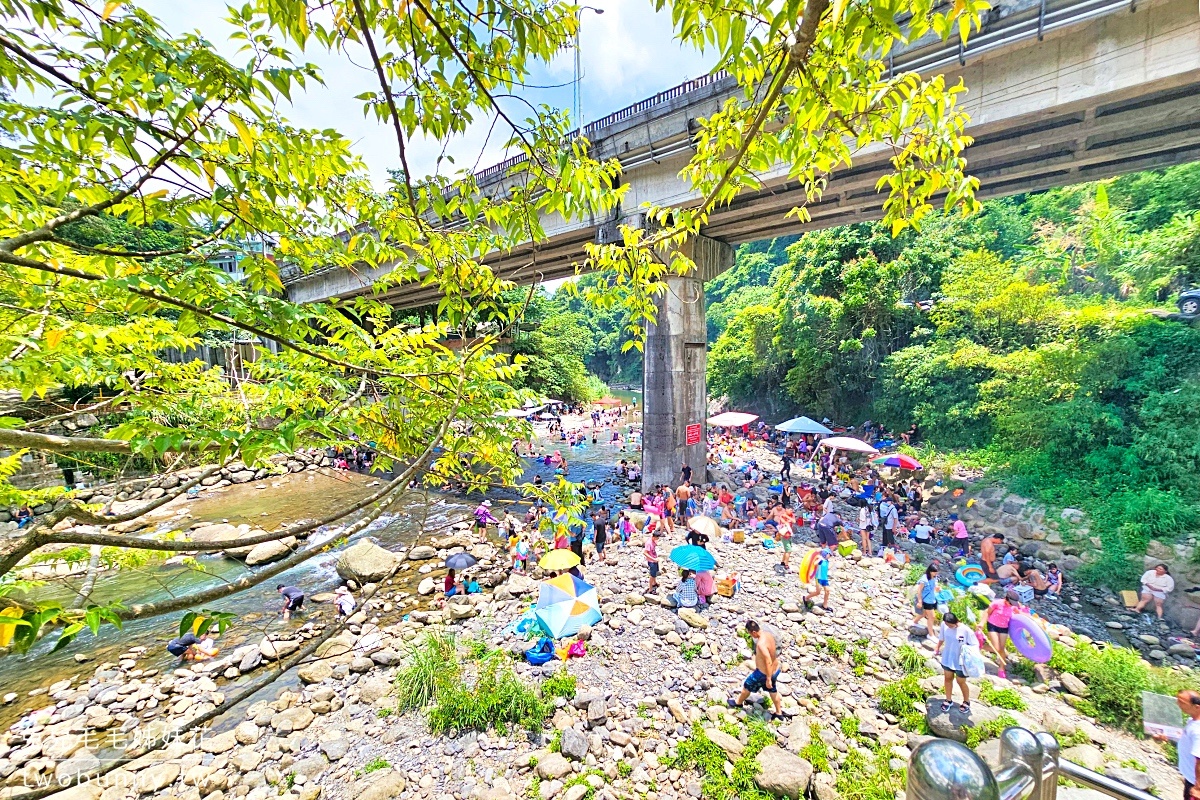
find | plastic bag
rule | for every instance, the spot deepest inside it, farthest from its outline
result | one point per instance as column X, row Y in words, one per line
column 972, row 661
column 540, row 653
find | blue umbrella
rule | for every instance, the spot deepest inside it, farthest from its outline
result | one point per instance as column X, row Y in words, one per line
column 802, row 425
column 689, row 556
column 460, row 561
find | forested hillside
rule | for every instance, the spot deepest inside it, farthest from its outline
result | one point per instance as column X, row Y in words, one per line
column 1018, row 338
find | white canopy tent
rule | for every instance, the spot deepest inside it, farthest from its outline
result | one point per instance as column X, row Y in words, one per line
column 847, row 443
column 732, row 419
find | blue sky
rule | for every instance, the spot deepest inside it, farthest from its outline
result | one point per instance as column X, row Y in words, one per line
column 627, row 53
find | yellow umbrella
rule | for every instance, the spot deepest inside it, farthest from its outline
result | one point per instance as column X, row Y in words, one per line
column 558, row 560
column 705, row 525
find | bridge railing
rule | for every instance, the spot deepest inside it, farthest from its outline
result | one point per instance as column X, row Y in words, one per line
column 941, row 769
column 1023, row 19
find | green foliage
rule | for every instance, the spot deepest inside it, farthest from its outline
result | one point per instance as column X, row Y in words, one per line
column 560, row 684
column 911, row 661
column 624, row 768
column 496, row 699
column 835, row 646
column 555, row 745
column 700, row 753
column 989, row 730
column 859, row 658
column 1116, row 678
column 849, row 726
column 900, row 699
column 376, row 764
column 690, row 651
column 1076, row 737
column 913, row 574
column 1000, row 698
column 1033, row 355
column 816, row 752
column 1021, row 668
column 432, row 664
column 863, row 778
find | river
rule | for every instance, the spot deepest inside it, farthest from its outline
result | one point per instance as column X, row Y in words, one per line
column 266, row 504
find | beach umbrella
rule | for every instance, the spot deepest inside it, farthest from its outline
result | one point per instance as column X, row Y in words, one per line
column 565, row 604
column 803, row 425
column 898, row 461
column 847, row 443
column 558, row 560
column 732, row 419
column 706, row 525
column 689, row 556
column 460, row 561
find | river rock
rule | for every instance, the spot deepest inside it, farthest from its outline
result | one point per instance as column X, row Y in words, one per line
column 574, row 744
column 693, row 618
column 315, row 672
column 426, row 587
column 1085, row 755
column 953, row 724
column 1133, row 777
column 732, row 747
column 273, row 651
column 83, row 763
column 247, row 733
column 221, row 743
column 550, row 768
column 383, row 786
column 267, row 552
column 782, row 774
column 292, row 719
column 1074, row 685
column 157, row 777
column 422, row 552
column 366, row 562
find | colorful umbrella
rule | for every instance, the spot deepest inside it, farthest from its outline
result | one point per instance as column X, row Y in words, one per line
column 706, row 525
column 558, row 560
column 899, row 461
column 460, row 561
column 565, row 604
column 689, row 556
column 803, row 425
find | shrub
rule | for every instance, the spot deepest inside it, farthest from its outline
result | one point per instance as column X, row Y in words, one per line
column 862, row 778
column 859, row 657
column 699, row 752
column 836, row 647
column 911, row 662
column 560, row 684
column 816, row 752
column 432, row 664
column 1022, row 668
column 913, row 574
column 1116, row 676
column 1000, row 698
column 989, row 730
column 497, row 699
column 900, row 699
column 376, row 764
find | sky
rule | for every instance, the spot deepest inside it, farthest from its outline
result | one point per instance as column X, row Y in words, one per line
column 627, row 53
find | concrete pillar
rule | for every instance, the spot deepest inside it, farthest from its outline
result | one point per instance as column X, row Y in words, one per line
column 674, row 390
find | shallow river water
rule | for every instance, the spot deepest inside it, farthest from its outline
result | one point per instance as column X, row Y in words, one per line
column 266, row 504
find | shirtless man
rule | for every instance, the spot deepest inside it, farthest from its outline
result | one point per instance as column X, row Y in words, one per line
column 766, row 669
column 987, row 554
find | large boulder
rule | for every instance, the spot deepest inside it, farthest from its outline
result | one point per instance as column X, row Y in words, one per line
column 422, row 552
column 267, row 552
column 366, row 562
column 953, row 724
column 782, row 774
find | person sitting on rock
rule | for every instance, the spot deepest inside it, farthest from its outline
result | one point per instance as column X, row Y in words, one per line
column 685, row 595
column 1157, row 583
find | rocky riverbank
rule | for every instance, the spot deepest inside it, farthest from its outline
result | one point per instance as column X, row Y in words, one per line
column 649, row 676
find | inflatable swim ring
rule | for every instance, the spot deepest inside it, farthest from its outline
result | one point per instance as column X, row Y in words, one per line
column 969, row 575
column 808, row 566
column 1029, row 639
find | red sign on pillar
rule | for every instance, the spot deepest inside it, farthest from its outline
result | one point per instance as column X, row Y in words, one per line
column 694, row 434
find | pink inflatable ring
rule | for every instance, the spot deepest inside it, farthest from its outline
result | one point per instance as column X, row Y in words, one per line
column 1029, row 639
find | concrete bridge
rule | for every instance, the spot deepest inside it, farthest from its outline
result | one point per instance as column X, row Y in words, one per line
column 1059, row 92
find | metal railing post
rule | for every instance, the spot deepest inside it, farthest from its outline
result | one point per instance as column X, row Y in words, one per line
column 941, row 769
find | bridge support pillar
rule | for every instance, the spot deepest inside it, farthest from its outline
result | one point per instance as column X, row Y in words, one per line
column 674, row 389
